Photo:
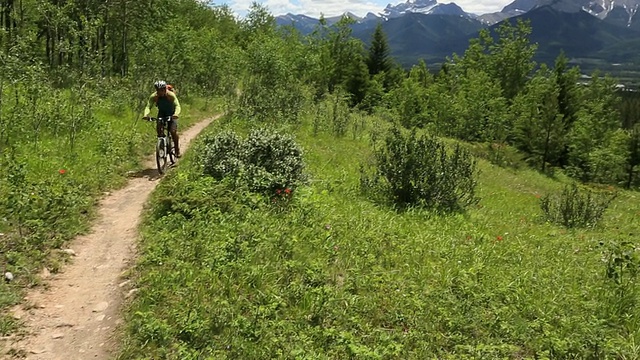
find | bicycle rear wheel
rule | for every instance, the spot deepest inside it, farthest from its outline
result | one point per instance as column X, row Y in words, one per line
column 161, row 155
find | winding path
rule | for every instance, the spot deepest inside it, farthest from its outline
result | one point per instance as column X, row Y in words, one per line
column 77, row 313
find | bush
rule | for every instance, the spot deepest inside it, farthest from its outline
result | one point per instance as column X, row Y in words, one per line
column 416, row 170
column 575, row 208
column 265, row 162
column 221, row 155
column 622, row 262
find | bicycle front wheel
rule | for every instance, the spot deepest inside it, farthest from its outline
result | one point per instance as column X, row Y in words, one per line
column 161, row 155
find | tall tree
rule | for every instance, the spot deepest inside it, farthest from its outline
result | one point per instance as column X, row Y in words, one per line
column 597, row 121
column 357, row 83
column 340, row 60
column 379, row 60
column 568, row 96
column 421, row 73
column 258, row 22
column 539, row 130
column 475, row 57
column 479, row 109
column 512, row 57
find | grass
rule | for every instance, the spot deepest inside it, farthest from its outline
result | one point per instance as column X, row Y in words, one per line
column 225, row 275
column 52, row 193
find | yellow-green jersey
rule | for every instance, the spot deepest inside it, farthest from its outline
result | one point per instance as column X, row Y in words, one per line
column 167, row 105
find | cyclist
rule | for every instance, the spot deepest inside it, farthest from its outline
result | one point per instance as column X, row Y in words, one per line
column 168, row 105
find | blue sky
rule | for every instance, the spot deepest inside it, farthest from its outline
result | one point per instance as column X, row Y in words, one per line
column 358, row 7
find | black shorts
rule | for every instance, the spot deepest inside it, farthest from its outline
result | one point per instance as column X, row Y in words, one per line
column 173, row 125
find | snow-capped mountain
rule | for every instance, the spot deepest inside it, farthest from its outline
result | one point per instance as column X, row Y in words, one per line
column 623, row 11
column 602, row 8
column 370, row 16
column 598, row 8
column 430, row 7
column 334, row 19
column 306, row 23
column 516, row 8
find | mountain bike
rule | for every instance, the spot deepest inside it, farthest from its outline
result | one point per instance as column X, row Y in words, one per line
column 165, row 152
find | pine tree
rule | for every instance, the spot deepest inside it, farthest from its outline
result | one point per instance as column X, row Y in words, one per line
column 596, row 122
column 568, row 96
column 539, row 129
column 379, row 60
column 512, row 57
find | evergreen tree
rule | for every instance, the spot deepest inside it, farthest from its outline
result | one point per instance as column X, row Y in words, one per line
column 596, row 122
column 343, row 49
column 379, row 60
column 568, row 96
column 539, row 129
column 511, row 57
column 630, row 117
column 357, row 84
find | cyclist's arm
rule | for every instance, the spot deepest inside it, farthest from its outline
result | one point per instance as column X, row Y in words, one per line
column 177, row 105
column 150, row 103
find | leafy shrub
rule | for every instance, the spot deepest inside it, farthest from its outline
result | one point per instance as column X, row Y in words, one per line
column 274, row 161
column 575, row 208
column 608, row 162
column 264, row 162
column 622, row 262
column 221, row 155
column 416, row 170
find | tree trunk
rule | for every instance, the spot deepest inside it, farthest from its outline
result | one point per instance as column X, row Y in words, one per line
column 124, row 65
column 102, row 44
column 547, row 145
column 49, row 48
column 60, row 54
column 8, row 7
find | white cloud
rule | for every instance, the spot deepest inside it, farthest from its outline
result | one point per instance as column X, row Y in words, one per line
column 482, row 6
column 337, row 7
column 359, row 7
column 311, row 7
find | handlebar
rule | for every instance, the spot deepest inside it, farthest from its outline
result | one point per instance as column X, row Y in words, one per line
column 168, row 118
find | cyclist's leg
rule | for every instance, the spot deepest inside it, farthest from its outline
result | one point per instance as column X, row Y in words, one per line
column 173, row 128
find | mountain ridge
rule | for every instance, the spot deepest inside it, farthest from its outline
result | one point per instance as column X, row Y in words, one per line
column 624, row 9
column 421, row 29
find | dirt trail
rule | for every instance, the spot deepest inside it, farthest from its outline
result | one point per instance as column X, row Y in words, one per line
column 77, row 315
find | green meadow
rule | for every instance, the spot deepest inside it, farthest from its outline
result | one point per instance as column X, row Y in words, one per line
column 344, row 206
column 327, row 273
